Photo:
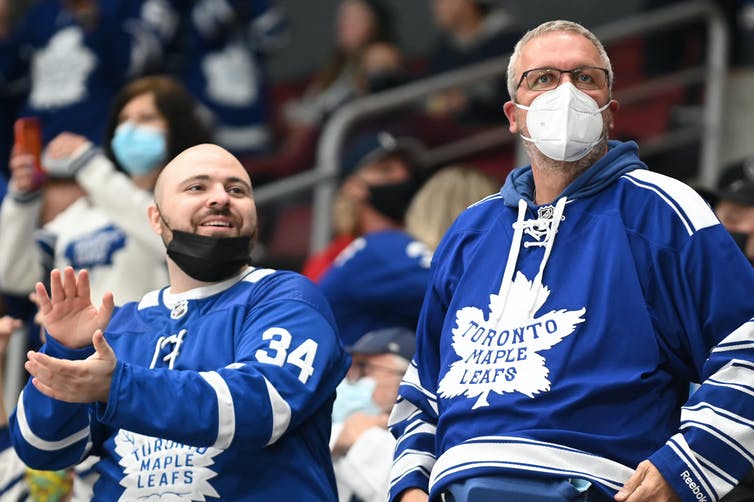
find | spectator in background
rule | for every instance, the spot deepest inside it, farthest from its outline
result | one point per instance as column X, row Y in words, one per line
column 361, row 445
column 379, row 280
column 359, row 23
column 77, row 54
column 223, row 48
column 106, row 231
column 12, row 88
column 471, row 31
column 733, row 203
column 19, row 483
column 444, row 196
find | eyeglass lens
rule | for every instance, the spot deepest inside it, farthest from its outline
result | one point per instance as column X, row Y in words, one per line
column 586, row 78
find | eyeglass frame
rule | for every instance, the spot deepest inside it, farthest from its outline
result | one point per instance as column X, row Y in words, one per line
column 578, row 69
column 359, row 368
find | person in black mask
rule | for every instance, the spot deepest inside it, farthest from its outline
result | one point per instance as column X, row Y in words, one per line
column 205, row 388
column 733, row 203
column 379, row 279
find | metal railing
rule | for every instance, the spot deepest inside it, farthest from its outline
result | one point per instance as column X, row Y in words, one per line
column 322, row 179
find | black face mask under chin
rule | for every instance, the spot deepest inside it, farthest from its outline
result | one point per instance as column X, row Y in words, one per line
column 392, row 199
column 209, row 259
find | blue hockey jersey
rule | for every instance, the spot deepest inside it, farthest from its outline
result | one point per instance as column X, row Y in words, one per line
column 378, row 281
column 559, row 340
column 225, row 48
column 222, row 392
column 75, row 70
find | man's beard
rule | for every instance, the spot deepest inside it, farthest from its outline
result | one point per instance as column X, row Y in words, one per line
column 573, row 168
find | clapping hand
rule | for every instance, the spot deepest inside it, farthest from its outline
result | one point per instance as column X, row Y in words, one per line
column 68, row 313
column 84, row 381
column 69, row 316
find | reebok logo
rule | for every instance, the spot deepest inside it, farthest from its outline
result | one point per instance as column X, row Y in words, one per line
column 693, row 486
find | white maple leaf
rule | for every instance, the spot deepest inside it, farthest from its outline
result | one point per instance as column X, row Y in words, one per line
column 60, row 70
column 160, row 469
column 500, row 353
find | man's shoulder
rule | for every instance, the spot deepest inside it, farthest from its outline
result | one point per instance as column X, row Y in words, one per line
column 481, row 215
column 267, row 284
column 668, row 198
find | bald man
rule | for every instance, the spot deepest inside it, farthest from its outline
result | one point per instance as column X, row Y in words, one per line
column 218, row 386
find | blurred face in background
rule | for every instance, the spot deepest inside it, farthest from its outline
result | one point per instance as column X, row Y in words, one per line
column 447, row 13
column 391, row 169
column 356, row 25
column 387, row 372
column 142, row 110
column 738, row 219
column 140, row 141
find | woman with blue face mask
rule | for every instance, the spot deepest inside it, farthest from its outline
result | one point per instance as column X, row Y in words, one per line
column 105, row 231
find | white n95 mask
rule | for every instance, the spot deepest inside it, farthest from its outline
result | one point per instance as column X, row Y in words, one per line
column 564, row 123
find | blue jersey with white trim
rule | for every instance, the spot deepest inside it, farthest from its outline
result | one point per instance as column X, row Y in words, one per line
column 560, row 340
column 222, row 392
column 378, row 281
column 75, row 69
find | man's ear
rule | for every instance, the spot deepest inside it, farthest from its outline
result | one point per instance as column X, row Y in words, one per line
column 510, row 112
column 614, row 106
column 154, row 218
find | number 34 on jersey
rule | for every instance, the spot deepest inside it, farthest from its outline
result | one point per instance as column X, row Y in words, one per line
column 278, row 353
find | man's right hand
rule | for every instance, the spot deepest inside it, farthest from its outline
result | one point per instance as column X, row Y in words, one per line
column 413, row 495
column 68, row 313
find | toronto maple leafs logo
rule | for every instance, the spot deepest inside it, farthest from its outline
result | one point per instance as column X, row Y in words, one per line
column 160, row 469
column 502, row 352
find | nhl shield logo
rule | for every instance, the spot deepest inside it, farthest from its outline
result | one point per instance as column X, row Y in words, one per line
column 179, row 309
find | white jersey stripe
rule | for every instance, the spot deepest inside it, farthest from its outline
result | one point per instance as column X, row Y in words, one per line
column 723, row 424
column 533, row 456
column 701, row 475
column 281, row 413
column 42, row 444
column 684, row 200
column 410, row 461
column 226, row 420
column 741, row 338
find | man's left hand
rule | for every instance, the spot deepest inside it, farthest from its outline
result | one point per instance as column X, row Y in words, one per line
column 86, row 381
column 646, row 485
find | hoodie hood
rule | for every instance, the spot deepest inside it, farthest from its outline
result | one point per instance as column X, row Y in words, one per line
column 540, row 231
column 620, row 158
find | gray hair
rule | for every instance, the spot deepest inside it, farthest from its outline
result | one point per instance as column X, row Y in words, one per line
column 549, row 27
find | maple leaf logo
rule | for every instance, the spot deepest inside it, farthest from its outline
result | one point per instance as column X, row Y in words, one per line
column 160, row 469
column 501, row 353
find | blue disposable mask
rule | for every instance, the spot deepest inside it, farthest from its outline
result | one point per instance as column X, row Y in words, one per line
column 139, row 149
column 352, row 397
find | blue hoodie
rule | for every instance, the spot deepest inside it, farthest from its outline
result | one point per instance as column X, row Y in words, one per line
column 559, row 340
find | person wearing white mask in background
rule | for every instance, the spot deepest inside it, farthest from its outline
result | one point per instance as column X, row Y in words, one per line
column 362, row 447
column 106, row 230
column 566, row 315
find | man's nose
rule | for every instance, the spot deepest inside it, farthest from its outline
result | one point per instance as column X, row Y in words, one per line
column 218, row 196
column 566, row 77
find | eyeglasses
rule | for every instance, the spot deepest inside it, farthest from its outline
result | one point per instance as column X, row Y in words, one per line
column 586, row 78
column 364, row 368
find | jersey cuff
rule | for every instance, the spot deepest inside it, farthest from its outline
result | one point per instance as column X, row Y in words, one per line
column 679, row 476
column 105, row 412
column 56, row 349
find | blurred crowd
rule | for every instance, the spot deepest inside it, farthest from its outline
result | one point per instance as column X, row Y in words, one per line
column 115, row 89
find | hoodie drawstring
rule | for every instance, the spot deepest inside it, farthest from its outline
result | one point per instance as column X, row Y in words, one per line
column 533, row 228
